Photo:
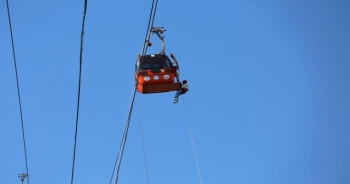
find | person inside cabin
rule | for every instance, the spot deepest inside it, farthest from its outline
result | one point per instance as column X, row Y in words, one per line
column 182, row 90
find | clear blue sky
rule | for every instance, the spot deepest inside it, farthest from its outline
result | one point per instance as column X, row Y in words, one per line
column 268, row 100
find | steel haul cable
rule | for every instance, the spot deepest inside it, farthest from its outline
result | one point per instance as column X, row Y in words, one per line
column 115, row 174
column 149, row 26
column 18, row 92
column 79, row 84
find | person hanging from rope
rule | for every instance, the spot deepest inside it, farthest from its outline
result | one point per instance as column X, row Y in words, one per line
column 182, row 90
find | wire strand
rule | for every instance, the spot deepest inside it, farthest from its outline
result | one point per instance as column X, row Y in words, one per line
column 115, row 173
column 115, row 165
column 193, row 148
column 143, row 140
column 154, row 13
column 144, row 48
column 18, row 91
column 116, row 169
column 79, row 85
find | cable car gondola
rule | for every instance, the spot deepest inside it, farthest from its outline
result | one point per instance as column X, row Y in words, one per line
column 156, row 73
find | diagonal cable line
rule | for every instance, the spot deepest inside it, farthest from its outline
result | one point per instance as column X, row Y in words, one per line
column 151, row 19
column 115, row 174
column 18, row 90
column 154, row 13
column 193, row 148
column 143, row 140
column 79, row 85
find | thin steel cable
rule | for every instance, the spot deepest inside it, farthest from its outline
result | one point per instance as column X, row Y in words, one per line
column 122, row 143
column 79, row 85
column 144, row 49
column 115, row 173
column 18, row 91
column 194, row 150
column 120, row 147
column 154, row 13
column 149, row 26
column 143, row 140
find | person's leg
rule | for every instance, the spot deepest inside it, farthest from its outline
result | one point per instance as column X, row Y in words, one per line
column 178, row 93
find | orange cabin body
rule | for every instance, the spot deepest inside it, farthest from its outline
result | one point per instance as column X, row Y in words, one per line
column 156, row 74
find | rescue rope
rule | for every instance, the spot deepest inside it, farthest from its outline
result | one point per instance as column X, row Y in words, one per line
column 193, row 148
column 143, row 141
column 79, row 84
column 18, row 91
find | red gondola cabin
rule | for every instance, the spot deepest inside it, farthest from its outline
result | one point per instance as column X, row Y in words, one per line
column 156, row 74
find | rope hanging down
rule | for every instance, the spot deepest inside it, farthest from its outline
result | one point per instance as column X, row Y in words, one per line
column 143, row 141
column 79, row 84
column 193, row 148
column 18, row 91
column 115, row 174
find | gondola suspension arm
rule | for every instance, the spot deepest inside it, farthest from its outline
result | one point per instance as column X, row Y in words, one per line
column 158, row 31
